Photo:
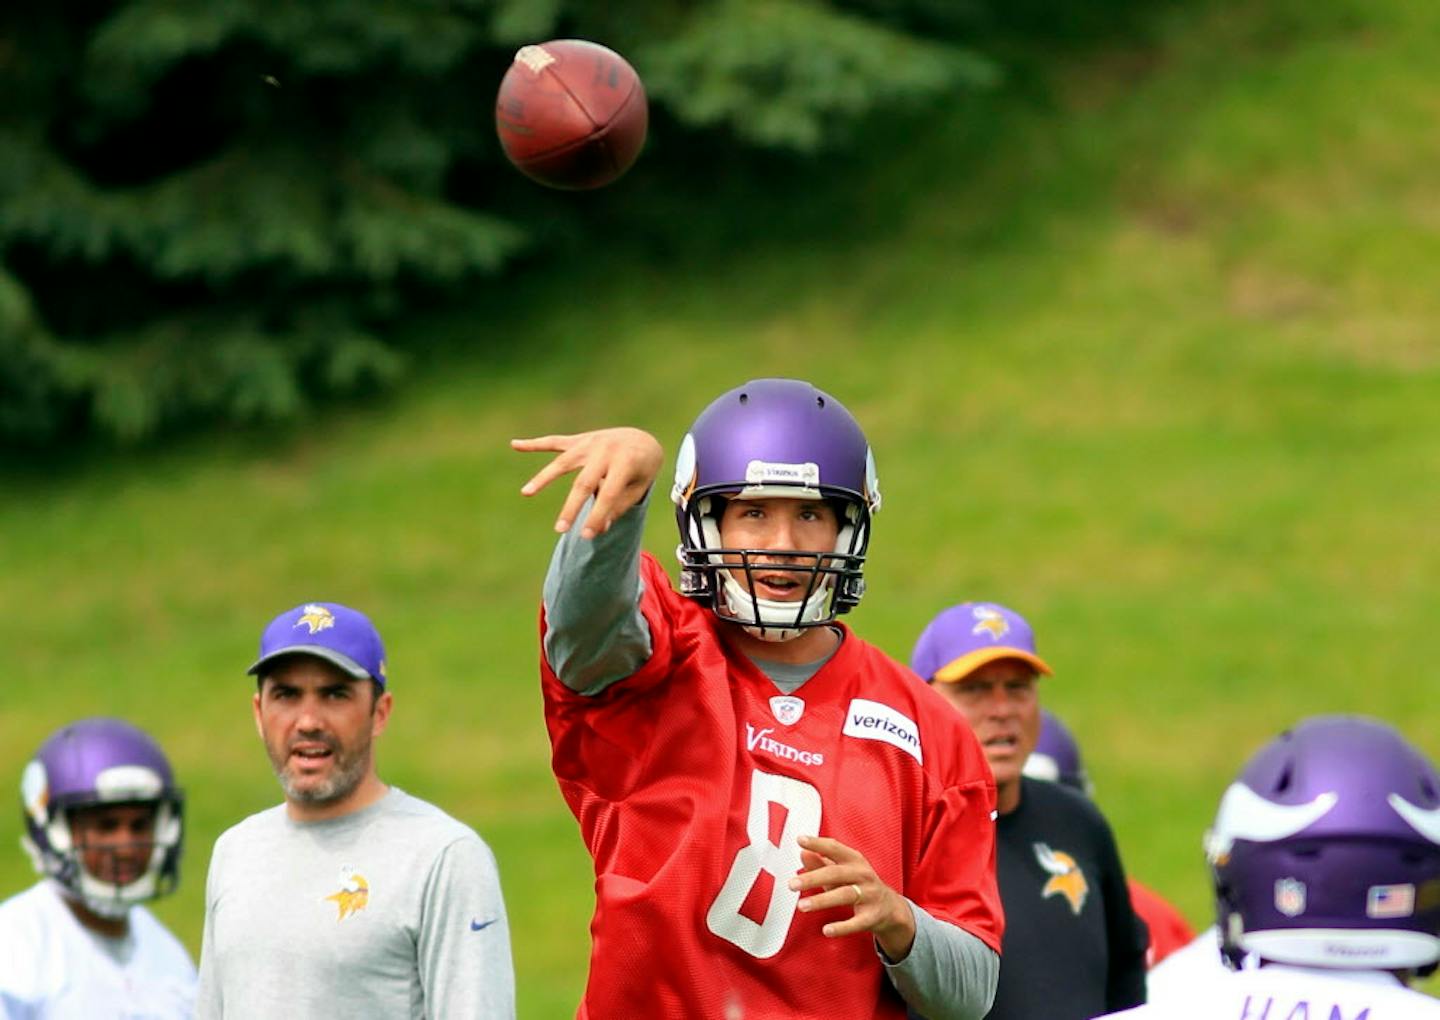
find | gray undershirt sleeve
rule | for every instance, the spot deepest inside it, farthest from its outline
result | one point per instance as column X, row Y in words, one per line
column 595, row 632
column 949, row 973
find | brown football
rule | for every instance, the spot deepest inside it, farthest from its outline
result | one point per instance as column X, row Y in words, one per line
column 571, row 114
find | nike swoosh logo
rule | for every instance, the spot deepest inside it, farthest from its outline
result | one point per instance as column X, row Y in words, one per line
column 481, row 925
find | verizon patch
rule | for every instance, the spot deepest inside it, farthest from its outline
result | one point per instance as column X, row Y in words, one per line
column 870, row 720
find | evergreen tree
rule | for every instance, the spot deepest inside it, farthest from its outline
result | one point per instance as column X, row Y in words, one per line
column 214, row 209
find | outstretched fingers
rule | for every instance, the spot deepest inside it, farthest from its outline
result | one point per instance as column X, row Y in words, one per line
column 615, row 466
column 561, row 465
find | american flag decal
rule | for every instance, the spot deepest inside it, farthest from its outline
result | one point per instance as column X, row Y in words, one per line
column 1390, row 901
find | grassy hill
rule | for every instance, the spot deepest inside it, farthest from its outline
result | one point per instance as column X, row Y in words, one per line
column 1154, row 358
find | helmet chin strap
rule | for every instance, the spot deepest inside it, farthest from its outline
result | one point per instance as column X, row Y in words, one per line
column 111, row 910
column 773, row 615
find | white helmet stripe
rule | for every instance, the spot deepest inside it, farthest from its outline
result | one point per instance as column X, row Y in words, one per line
column 1244, row 814
column 129, row 782
column 1425, row 821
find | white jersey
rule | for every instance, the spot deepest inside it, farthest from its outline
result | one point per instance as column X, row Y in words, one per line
column 1197, row 964
column 1293, row 993
column 54, row 968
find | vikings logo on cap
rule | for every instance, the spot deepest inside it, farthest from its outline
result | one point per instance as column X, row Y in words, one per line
column 340, row 635
column 968, row 635
column 1066, row 877
column 989, row 621
column 317, row 618
column 354, row 894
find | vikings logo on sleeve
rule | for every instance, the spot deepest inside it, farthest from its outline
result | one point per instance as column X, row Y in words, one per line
column 1066, row 877
column 354, row 894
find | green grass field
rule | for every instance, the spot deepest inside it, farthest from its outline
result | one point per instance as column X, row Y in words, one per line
column 1156, row 361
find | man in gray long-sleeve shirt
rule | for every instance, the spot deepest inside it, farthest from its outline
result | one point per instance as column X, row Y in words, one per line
column 784, row 821
column 352, row 898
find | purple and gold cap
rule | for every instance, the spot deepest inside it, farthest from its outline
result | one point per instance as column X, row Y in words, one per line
column 965, row 637
column 340, row 635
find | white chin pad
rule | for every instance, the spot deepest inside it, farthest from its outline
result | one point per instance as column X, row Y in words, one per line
column 776, row 620
column 114, row 901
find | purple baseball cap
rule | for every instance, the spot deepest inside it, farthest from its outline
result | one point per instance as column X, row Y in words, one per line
column 965, row 637
column 340, row 635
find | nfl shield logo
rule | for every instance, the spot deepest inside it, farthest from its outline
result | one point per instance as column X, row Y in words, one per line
column 1290, row 896
column 787, row 709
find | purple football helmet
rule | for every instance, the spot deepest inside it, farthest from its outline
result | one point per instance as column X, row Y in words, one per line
column 774, row 438
column 1326, row 850
column 90, row 763
column 1057, row 756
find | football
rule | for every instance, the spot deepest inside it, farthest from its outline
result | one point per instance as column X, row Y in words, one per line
column 571, row 114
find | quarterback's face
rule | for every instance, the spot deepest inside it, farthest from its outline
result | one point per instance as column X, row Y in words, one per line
column 115, row 840
column 999, row 701
column 318, row 724
column 792, row 525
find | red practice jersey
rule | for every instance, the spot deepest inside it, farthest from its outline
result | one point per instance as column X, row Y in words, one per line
column 691, row 780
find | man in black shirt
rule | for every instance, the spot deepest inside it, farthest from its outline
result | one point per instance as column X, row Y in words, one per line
column 1073, row 946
